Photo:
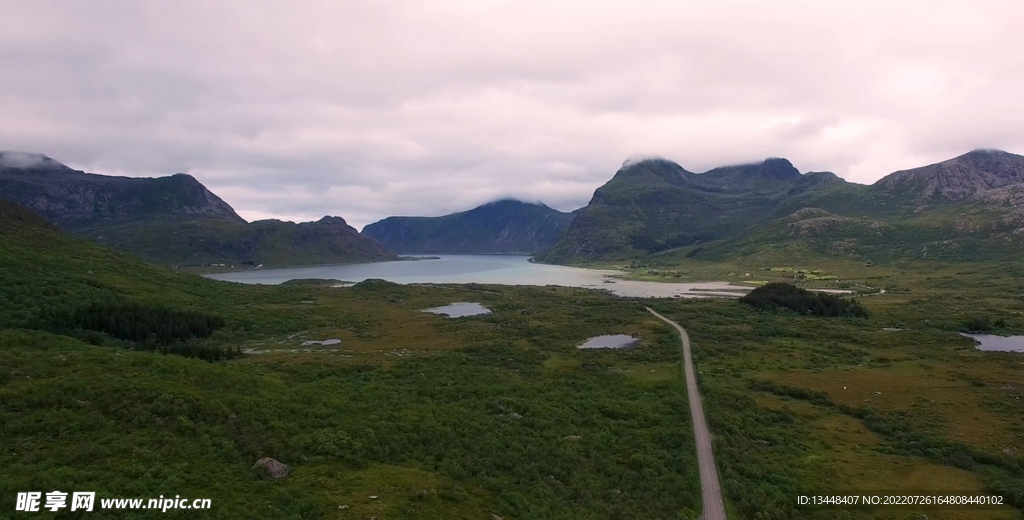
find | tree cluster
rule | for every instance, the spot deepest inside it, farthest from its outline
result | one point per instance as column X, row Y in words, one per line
column 144, row 326
column 778, row 295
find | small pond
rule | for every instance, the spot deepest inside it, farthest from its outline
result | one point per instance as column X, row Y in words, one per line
column 998, row 343
column 610, row 341
column 460, row 309
column 332, row 341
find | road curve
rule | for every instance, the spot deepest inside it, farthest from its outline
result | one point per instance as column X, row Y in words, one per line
column 711, row 492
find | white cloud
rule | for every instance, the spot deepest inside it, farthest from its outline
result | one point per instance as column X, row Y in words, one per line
column 23, row 160
column 366, row 110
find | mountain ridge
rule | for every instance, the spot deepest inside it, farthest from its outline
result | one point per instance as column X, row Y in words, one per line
column 655, row 204
column 503, row 226
column 173, row 219
column 963, row 206
column 70, row 197
column 957, row 179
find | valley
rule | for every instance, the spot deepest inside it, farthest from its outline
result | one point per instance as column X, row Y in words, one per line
column 491, row 260
column 384, row 410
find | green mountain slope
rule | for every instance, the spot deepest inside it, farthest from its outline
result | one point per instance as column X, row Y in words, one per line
column 46, row 270
column 267, row 242
column 505, row 226
column 967, row 208
column 172, row 220
column 656, row 205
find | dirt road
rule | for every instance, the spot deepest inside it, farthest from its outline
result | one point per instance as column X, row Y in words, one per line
column 711, row 492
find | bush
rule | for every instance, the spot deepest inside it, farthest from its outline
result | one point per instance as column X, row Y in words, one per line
column 141, row 323
column 982, row 324
column 778, row 295
column 141, row 326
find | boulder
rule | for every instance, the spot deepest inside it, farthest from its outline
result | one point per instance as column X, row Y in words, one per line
column 270, row 468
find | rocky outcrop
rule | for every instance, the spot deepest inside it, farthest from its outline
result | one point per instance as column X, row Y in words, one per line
column 268, row 468
column 957, row 179
column 832, row 225
column 808, row 213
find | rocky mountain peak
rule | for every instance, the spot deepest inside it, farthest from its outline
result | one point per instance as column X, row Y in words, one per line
column 653, row 168
column 772, row 168
column 779, row 168
column 333, row 221
column 958, row 178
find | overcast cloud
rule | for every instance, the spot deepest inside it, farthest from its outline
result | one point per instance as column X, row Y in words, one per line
column 295, row 110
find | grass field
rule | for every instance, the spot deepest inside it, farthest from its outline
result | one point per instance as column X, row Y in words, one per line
column 502, row 414
column 864, row 408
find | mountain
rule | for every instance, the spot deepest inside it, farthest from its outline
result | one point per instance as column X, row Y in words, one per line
column 172, row 220
column 329, row 240
column 504, row 226
column 655, row 205
column 969, row 207
column 71, row 198
column 957, row 179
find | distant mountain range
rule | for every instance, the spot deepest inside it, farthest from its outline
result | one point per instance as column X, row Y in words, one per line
column 505, row 226
column 172, row 220
column 967, row 208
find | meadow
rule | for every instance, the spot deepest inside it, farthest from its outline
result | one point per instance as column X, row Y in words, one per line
column 414, row 415
column 896, row 401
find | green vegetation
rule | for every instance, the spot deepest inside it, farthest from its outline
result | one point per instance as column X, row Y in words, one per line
column 799, row 403
column 190, row 242
column 1003, row 475
column 777, row 295
column 489, row 426
column 176, row 221
column 144, row 326
column 437, row 418
column 983, row 324
column 654, row 209
column 498, row 414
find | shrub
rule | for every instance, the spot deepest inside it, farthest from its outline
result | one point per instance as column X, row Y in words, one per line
column 778, row 295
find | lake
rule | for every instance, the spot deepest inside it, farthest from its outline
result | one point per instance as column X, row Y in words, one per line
column 492, row 269
column 998, row 343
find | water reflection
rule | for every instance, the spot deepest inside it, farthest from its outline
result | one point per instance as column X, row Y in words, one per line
column 610, row 341
column 998, row 343
column 496, row 269
column 460, row 309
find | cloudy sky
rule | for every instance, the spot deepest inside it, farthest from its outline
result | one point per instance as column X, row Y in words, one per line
column 368, row 109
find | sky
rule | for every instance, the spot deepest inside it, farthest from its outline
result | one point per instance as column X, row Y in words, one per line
column 300, row 109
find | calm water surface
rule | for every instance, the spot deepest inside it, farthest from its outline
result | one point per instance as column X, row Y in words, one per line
column 495, row 269
column 460, row 309
column 610, row 341
column 1000, row 343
